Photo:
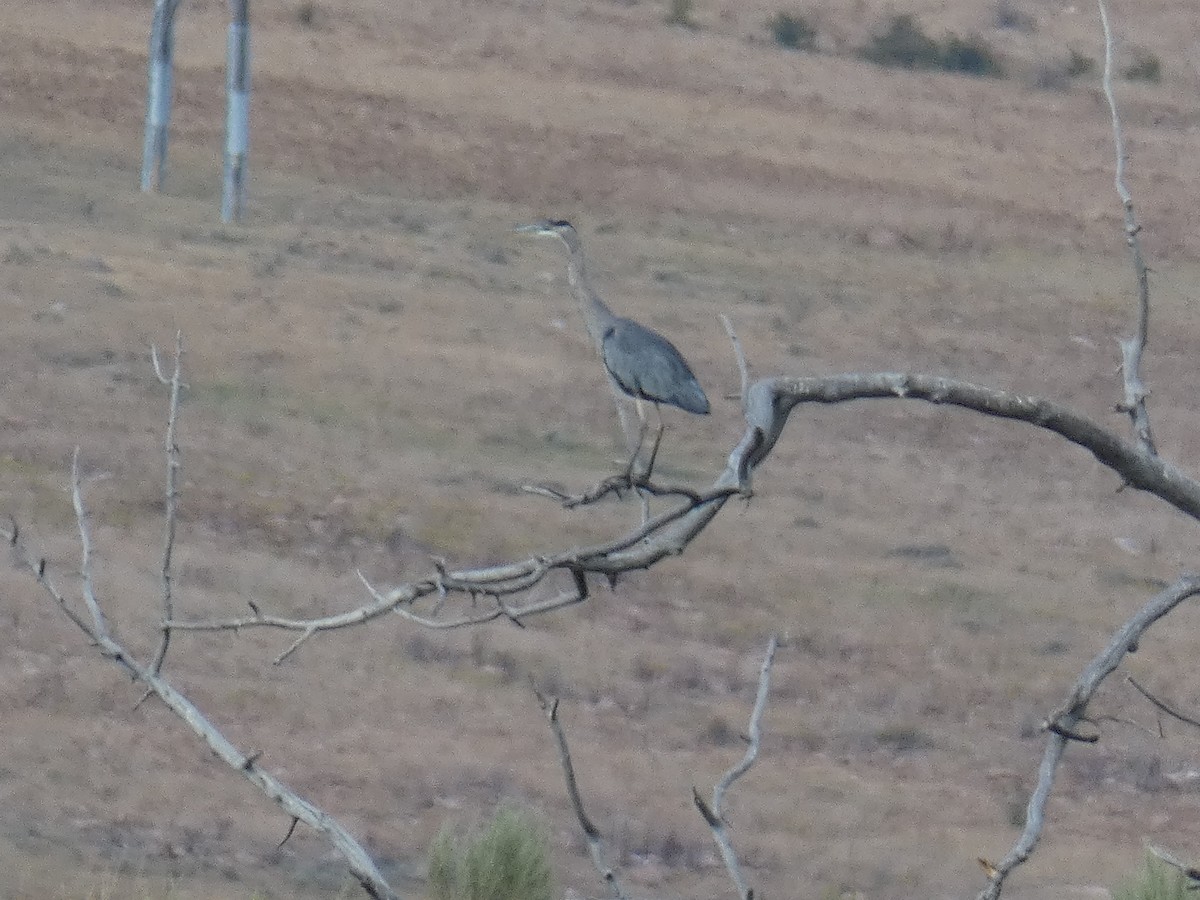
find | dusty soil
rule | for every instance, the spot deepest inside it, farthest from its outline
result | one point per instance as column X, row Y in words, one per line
column 376, row 363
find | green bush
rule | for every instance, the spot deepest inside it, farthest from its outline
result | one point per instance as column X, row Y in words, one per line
column 1154, row 881
column 1145, row 67
column 905, row 45
column 792, row 32
column 509, row 859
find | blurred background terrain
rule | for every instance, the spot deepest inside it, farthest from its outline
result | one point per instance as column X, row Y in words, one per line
column 376, row 363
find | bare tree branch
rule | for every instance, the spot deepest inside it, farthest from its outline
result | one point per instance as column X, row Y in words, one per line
column 769, row 403
column 99, row 626
column 743, row 369
column 96, row 627
column 595, row 840
column 772, row 399
column 1134, row 402
column 1062, row 723
column 714, row 814
column 171, row 507
column 358, row 861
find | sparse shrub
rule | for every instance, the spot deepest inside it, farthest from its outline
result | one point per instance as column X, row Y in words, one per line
column 1146, row 66
column 793, row 32
column 507, row 860
column 905, row 45
column 971, row 56
column 679, row 12
column 901, row 738
column 1010, row 16
column 306, row 13
column 1154, row 881
column 719, row 733
column 1080, row 64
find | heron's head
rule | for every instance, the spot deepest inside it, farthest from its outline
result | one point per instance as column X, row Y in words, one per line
column 559, row 228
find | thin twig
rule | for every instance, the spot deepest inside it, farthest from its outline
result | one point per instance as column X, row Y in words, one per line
column 743, row 369
column 595, row 840
column 1134, row 402
column 99, row 629
column 1162, row 704
column 171, row 509
column 714, row 813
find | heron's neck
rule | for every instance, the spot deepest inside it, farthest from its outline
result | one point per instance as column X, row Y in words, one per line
column 596, row 315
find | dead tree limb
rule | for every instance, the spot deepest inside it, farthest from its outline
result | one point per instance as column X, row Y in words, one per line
column 591, row 833
column 171, row 496
column 714, row 812
column 1062, row 723
column 1134, row 401
column 95, row 625
column 769, row 403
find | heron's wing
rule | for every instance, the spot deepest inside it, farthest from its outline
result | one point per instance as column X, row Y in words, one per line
column 646, row 365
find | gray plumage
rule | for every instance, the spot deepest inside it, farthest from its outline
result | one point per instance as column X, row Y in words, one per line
column 641, row 362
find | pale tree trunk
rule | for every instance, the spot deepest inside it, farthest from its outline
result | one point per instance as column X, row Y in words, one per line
column 237, row 112
column 159, row 87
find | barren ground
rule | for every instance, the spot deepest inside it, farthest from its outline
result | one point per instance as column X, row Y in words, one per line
column 376, row 363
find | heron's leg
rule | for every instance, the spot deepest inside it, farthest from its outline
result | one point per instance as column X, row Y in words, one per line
column 657, row 441
column 631, row 472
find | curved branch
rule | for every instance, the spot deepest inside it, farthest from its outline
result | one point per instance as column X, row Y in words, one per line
column 773, row 399
column 769, row 402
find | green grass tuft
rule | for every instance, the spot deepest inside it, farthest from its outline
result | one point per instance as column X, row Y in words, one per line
column 509, row 859
column 1155, row 880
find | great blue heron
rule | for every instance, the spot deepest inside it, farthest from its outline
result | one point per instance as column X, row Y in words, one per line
column 640, row 362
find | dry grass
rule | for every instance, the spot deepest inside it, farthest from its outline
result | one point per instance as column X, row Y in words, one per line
column 376, row 362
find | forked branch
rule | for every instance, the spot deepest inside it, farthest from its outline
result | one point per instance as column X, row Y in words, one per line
column 714, row 813
column 769, row 403
column 174, row 384
column 1062, row 724
column 95, row 625
column 1134, row 401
